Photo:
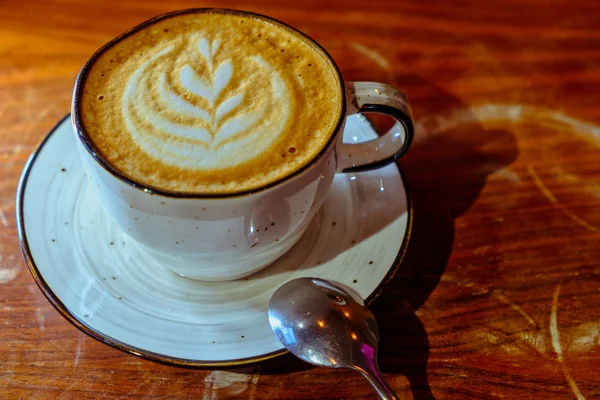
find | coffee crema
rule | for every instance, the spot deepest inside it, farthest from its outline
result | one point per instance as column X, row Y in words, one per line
column 210, row 102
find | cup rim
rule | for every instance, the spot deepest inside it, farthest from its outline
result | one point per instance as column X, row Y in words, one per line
column 89, row 146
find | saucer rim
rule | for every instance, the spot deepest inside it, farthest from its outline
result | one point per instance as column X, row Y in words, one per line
column 146, row 354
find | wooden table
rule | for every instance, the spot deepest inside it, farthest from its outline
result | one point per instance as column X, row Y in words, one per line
column 499, row 294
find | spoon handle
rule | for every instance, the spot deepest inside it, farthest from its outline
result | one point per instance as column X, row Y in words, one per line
column 380, row 385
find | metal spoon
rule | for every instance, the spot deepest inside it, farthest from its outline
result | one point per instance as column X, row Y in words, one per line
column 321, row 323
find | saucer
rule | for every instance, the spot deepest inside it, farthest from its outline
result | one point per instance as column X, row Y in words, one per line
column 108, row 287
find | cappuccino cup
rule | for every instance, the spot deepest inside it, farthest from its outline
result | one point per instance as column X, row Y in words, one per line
column 212, row 136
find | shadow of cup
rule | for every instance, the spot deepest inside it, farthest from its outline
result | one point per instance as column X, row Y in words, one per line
column 445, row 170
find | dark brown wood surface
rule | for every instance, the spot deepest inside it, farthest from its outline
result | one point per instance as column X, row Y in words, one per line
column 499, row 295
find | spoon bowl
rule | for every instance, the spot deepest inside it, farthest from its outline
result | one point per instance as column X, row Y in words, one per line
column 327, row 325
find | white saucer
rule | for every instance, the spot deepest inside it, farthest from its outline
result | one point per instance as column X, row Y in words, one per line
column 100, row 281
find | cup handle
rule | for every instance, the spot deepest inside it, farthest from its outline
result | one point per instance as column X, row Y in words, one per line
column 376, row 153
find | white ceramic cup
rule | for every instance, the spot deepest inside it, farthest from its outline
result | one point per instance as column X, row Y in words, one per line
column 226, row 237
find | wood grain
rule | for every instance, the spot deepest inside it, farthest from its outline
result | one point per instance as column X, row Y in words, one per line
column 499, row 294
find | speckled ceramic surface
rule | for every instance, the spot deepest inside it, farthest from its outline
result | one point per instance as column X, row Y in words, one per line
column 107, row 286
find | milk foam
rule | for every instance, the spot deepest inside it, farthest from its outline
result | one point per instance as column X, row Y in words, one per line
column 214, row 106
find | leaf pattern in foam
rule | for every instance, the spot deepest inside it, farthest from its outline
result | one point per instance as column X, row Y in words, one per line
column 235, row 125
column 227, row 106
column 221, row 77
column 205, row 50
column 195, row 84
column 146, row 112
column 173, row 101
column 214, row 48
column 208, row 50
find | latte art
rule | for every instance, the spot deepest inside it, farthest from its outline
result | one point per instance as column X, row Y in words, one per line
column 220, row 133
column 197, row 107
